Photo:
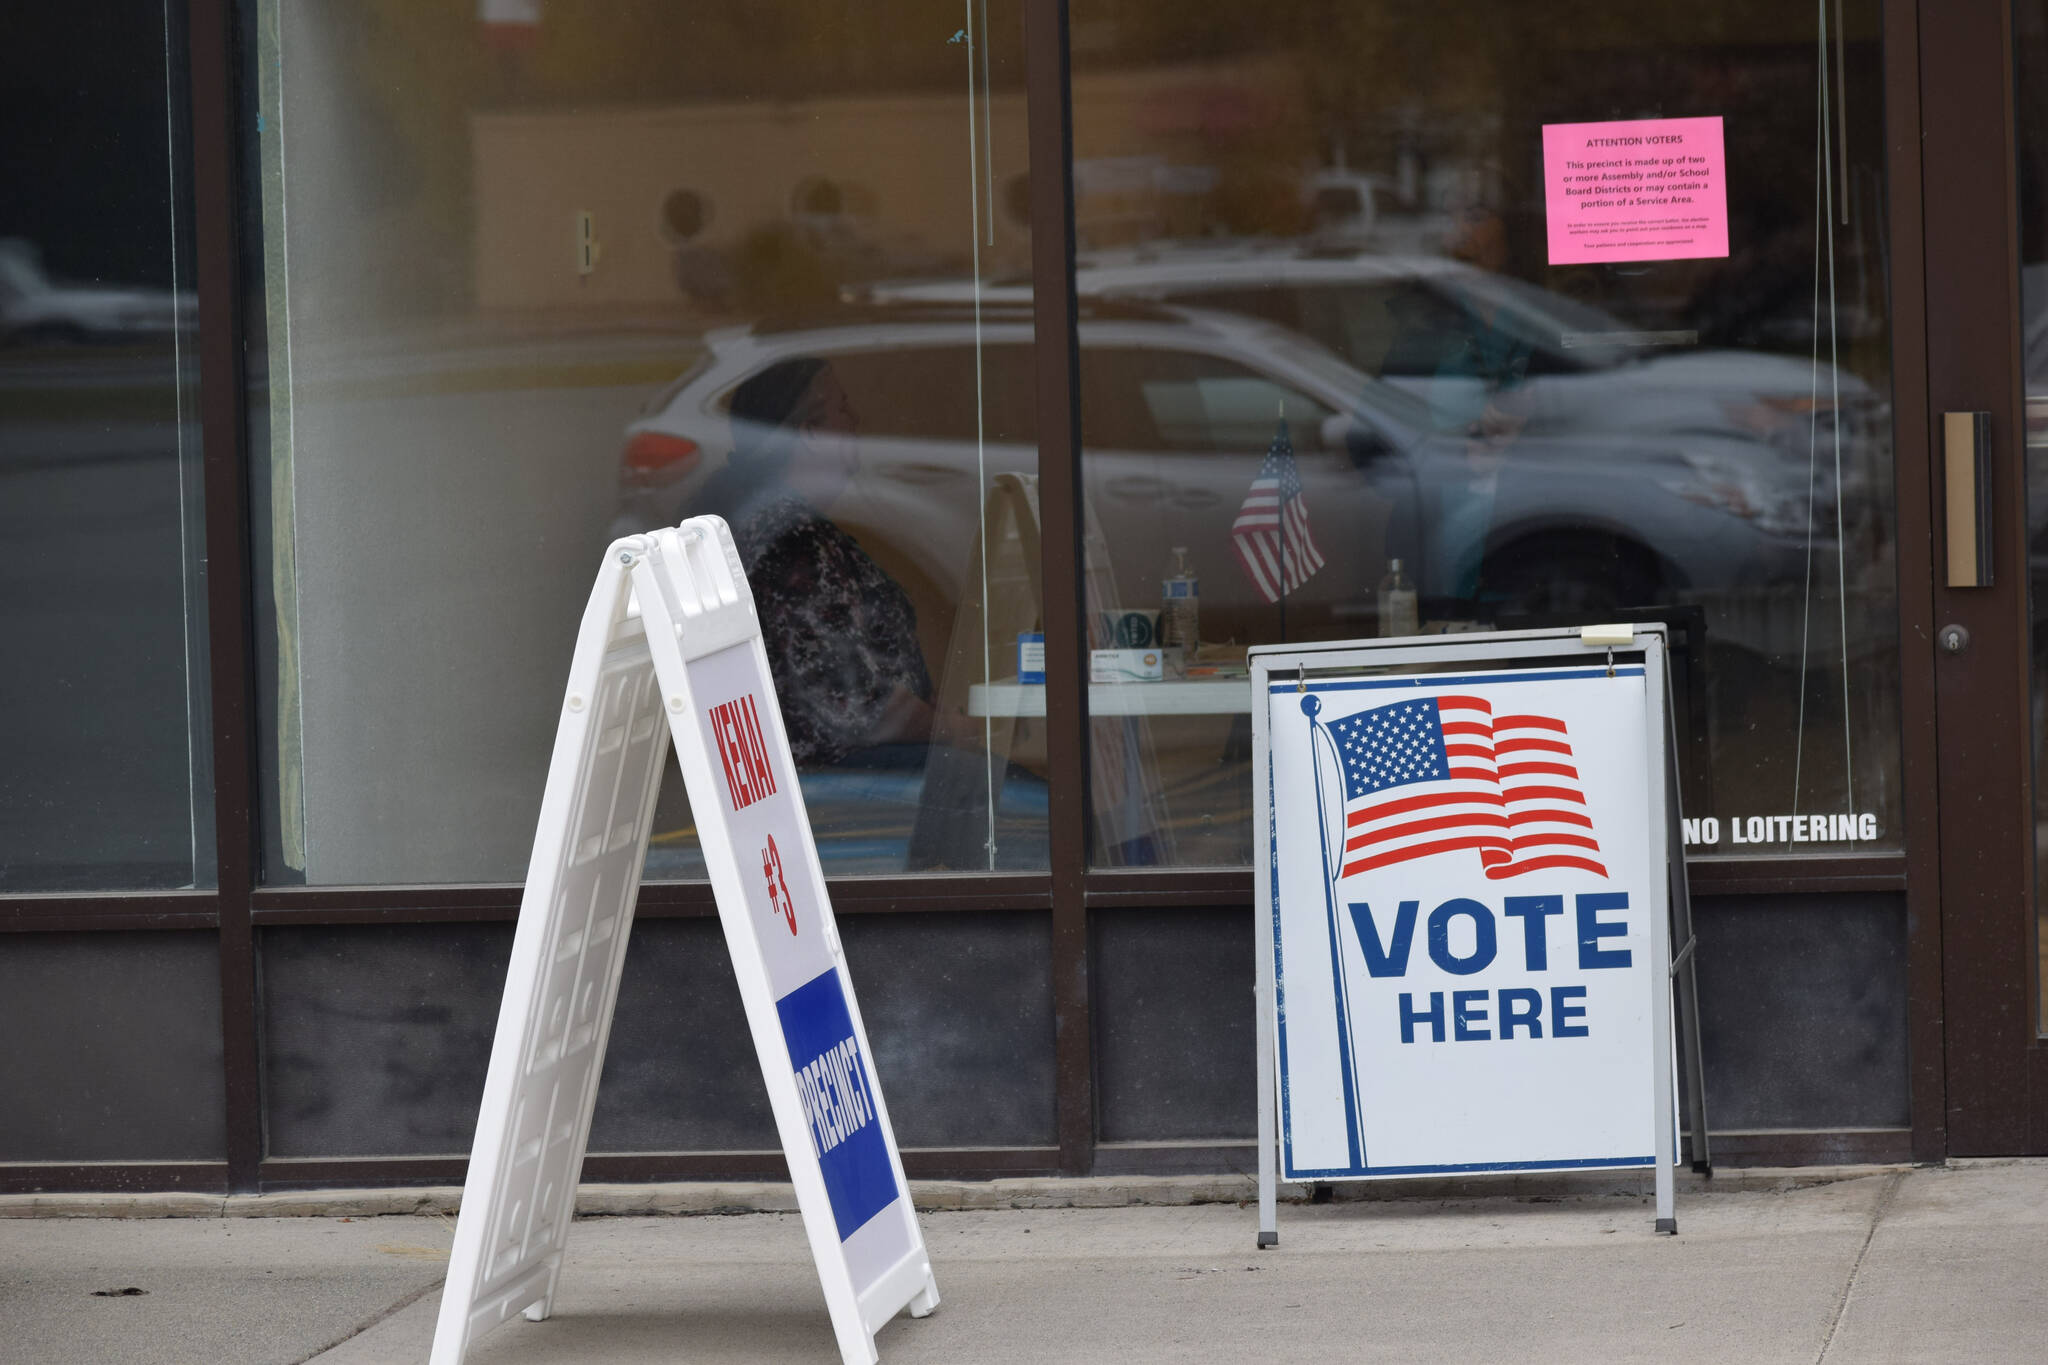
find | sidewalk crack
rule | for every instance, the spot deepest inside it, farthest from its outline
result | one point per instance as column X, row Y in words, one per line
column 366, row 1324
column 1877, row 1213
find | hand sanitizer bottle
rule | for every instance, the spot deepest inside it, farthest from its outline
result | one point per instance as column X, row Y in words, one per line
column 1180, row 604
column 1398, row 613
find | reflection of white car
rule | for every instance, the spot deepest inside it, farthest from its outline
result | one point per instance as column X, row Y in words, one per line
column 35, row 307
column 1400, row 318
column 1178, row 408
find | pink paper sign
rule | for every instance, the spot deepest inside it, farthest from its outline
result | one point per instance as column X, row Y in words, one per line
column 1651, row 189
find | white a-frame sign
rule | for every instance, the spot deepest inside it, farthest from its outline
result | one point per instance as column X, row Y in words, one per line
column 670, row 643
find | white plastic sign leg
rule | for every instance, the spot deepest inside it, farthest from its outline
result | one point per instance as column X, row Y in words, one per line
column 671, row 646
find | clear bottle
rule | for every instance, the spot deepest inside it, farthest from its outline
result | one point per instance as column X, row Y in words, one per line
column 1398, row 607
column 1180, row 604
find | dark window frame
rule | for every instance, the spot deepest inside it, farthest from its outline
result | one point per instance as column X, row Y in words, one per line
column 1068, row 892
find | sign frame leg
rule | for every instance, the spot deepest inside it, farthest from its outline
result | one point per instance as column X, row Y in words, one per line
column 561, row 989
column 1265, row 1004
column 1269, row 1156
column 1685, row 978
column 1665, row 1095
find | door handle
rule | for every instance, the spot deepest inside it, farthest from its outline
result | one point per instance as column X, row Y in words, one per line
column 1966, row 466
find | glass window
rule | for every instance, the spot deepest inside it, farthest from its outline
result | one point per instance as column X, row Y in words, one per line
column 1486, row 312
column 539, row 276
column 106, row 781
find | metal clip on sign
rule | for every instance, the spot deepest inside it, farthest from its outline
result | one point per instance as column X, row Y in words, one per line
column 670, row 645
column 1614, row 636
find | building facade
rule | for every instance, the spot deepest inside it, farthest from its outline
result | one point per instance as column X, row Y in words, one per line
column 337, row 342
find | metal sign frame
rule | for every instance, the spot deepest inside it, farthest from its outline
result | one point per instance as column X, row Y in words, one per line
column 669, row 612
column 1670, row 912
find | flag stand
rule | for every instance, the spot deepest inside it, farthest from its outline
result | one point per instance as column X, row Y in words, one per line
column 1684, row 975
column 1677, row 967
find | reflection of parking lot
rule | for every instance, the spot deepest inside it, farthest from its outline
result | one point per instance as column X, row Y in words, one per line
column 97, row 790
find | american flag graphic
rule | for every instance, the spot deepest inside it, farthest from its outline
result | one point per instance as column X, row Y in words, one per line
column 1271, row 533
column 1442, row 773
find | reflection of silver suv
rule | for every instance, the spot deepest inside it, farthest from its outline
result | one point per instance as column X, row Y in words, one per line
column 1178, row 407
column 1398, row 318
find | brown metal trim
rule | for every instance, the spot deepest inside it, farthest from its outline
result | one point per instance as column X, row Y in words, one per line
column 1220, row 1157
column 658, row 900
column 388, row 914
column 94, row 920
column 216, row 210
column 1804, row 1147
column 1101, row 890
column 979, row 1163
column 1912, row 478
column 300, row 904
column 919, row 1163
column 1796, row 876
column 1814, row 1147
column 1049, row 117
column 1186, row 887
column 359, row 1172
column 114, row 1177
column 1982, row 763
column 1763, row 1147
column 62, row 914
column 1786, row 876
column 883, row 895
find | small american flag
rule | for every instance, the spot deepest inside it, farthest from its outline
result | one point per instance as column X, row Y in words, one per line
column 1271, row 531
column 1436, row 774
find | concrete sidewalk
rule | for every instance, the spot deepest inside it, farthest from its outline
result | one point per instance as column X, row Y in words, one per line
column 1921, row 1265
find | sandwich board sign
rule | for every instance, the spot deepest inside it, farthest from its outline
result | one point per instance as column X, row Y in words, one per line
column 670, row 645
column 1464, row 947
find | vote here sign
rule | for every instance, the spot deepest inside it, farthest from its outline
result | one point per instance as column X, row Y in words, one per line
column 1464, row 872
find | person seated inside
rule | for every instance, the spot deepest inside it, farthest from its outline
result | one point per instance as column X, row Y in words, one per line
column 841, row 634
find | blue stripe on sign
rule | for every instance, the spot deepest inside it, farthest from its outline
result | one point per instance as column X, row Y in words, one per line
column 838, row 1097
